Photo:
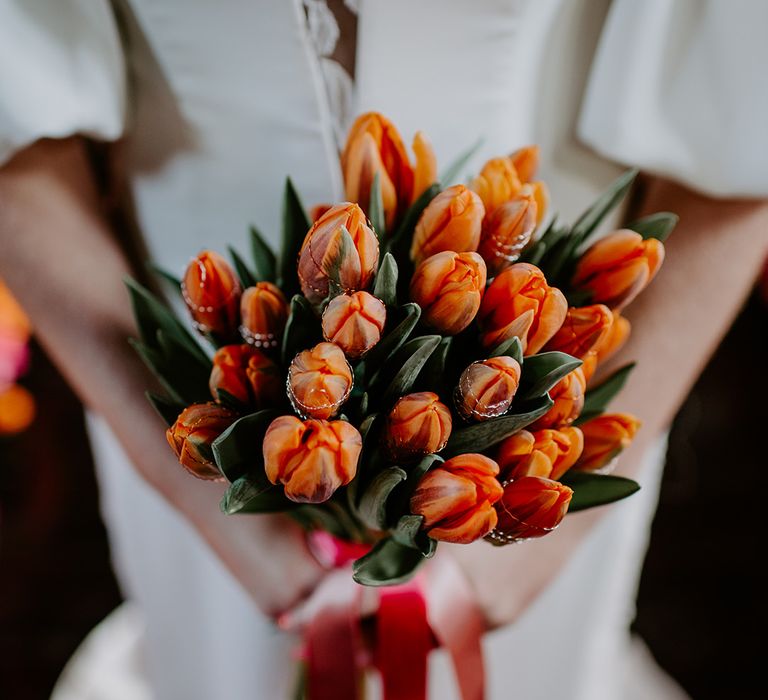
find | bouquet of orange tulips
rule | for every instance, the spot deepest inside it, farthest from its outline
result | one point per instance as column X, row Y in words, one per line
column 415, row 364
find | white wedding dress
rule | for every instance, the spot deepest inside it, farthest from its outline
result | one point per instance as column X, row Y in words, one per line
column 221, row 100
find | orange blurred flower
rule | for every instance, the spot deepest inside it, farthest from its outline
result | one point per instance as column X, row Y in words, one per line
column 568, row 395
column 456, row 499
column 311, row 458
column 547, row 453
column 526, row 162
column 191, row 436
column 451, row 221
column 497, row 183
column 605, row 437
column 212, row 291
column 540, row 193
column 17, row 409
column 319, row 381
column 520, row 303
column 247, row 374
column 373, row 146
column 486, row 388
column 584, row 328
column 618, row 267
column 448, row 287
column 263, row 314
column 531, row 506
column 507, row 231
column 354, row 322
column 328, row 254
column 418, row 424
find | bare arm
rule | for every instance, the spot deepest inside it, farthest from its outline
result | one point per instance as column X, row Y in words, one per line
column 712, row 261
column 63, row 264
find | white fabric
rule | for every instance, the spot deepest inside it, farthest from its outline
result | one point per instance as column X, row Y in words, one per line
column 229, row 99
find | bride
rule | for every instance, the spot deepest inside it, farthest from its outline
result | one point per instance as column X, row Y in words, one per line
column 213, row 105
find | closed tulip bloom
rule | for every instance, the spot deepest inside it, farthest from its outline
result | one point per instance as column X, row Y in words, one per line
column 508, row 230
column 615, row 339
column 584, row 328
column 212, row 291
column 311, row 458
column 425, row 172
column 497, row 183
column 451, row 221
column 546, row 453
column 605, row 437
column 540, row 193
column 319, row 381
column 456, row 499
column 448, row 287
column 354, row 322
column 618, row 267
column 526, row 162
column 531, row 506
column 418, row 424
column 191, row 436
column 263, row 314
column 519, row 303
column 486, row 388
column 328, row 253
column 247, row 374
column 568, row 395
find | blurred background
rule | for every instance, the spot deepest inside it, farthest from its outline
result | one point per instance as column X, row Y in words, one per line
column 700, row 604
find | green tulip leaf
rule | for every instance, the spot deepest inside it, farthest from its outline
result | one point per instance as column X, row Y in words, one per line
column 387, row 564
column 509, row 348
column 302, row 330
column 658, row 225
column 541, row 372
column 433, row 375
column 237, row 450
column 412, row 216
column 373, row 503
column 243, row 272
column 416, row 351
column 385, row 287
column 376, row 214
column 167, row 277
column 264, row 260
column 246, row 496
column 596, row 400
column 587, row 223
column 183, row 369
column 167, row 409
column 399, row 502
column 392, row 341
column 296, row 224
column 451, row 174
column 590, row 490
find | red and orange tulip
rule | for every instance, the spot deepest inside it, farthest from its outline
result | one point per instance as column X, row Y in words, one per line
column 212, row 291
column 457, row 497
column 486, row 388
column 568, row 395
column 311, row 458
column 319, row 381
column 583, row 330
column 247, row 374
column 354, row 322
column 531, row 506
column 605, row 437
column 508, row 230
column 418, row 424
column 546, row 453
column 263, row 314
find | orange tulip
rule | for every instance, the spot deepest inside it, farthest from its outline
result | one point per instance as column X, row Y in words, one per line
column 615, row 338
column 589, row 365
column 328, row 254
column 456, row 499
column 583, row 330
column 604, row 438
column 318, row 210
column 425, row 172
column 311, row 458
column 540, row 193
column 212, row 291
column 247, row 374
column 191, row 436
column 263, row 314
column 618, row 267
column 530, row 507
column 17, row 409
column 545, row 453
column 497, row 183
column 508, row 230
column 448, row 287
column 418, row 424
column 486, row 388
column 520, row 303
column 451, row 221
column 526, row 162
column 354, row 322
column 319, row 381
column 568, row 395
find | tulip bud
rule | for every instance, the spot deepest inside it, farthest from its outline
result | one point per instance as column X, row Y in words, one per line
column 508, row 230
column 497, row 183
column 568, row 395
column 530, row 507
column 486, row 388
column 328, row 253
column 540, row 193
column 263, row 315
column 584, row 328
column 247, row 374
column 319, row 381
column 311, row 458
column 519, row 303
column 526, row 162
column 545, row 453
column 374, row 146
column 425, row 172
column 456, row 499
column 354, row 322
column 604, row 439
column 211, row 291
column 615, row 339
column 451, row 221
column 191, row 436
column 618, row 267
column 418, row 424
column 448, row 287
